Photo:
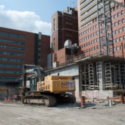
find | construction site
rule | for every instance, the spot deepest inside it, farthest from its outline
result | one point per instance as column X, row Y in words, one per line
column 83, row 69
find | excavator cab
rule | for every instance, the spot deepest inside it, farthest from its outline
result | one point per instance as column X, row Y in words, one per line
column 31, row 75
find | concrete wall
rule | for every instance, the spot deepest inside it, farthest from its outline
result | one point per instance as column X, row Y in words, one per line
column 70, row 71
column 99, row 94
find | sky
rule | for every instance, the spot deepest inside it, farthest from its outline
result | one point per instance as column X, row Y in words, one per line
column 31, row 15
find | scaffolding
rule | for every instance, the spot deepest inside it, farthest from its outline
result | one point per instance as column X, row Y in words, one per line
column 99, row 74
column 103, row 75
column 108, row 76
column 91, row 75
column 105, row 27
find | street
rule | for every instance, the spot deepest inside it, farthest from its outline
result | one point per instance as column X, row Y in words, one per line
column 19, row 114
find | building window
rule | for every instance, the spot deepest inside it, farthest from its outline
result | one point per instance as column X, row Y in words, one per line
column 120, row 38
column 11, row 59
column 122, row 12
column 116, row 31
column 120, row 47
column 115, row 24
column 123, row 28
column 123, row 20
column 114, row 16
column 11, row 65
column 120, row 30
column 117, row 48
column 54, row 24
column 4, row 77
column 124, row 37
column 12, row 35
column 119, row 22
column 10, row 72
column 12, row 47
column 116, row 40
column 12, row 42
column 11, row 53
column 118, row 14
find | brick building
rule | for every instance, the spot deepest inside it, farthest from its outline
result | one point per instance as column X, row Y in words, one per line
column 99, row 36
column 18, row 48
column 64, row 27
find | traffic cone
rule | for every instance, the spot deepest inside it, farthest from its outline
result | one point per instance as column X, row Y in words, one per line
column 8, row 99
column 82, row 101
column 122, row 99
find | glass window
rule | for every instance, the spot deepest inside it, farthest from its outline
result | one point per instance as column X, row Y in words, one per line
column 120, row 30
column 120, row 47
column 12, row 35
column 11, row 65
column 123, row 28
column 115, row 24
column 11, row 59
column 10, row 72
column 11, row 53
column 119, row 22
column 124, row 37
column 5, row 77
column 83, row 2
column 12, row 47
column 12, row 42
column 86, row 5
column 88, row 16
column 118, row 14
column 117, row 48
column 123, row 20
column 114, row 16
column 116, row 40
column 116, row 31
column 122, row 12
column 120, row 39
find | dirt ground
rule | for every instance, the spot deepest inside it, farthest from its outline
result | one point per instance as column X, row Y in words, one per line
column 99, row 114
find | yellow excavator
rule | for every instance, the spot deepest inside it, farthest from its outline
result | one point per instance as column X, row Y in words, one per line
column 46, row 89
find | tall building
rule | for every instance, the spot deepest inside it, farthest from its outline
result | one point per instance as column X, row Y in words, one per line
column 18, row 48
column 101, row 28
column 64, row 27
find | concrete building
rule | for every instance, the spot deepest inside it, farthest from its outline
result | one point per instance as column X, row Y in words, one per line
column 64, row 27
column 18, row 48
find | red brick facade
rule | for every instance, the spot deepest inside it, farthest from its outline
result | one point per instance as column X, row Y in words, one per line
column 64, row 27
column 18, row 48
column 60, row 56
column 45, row 47
column 89, row 34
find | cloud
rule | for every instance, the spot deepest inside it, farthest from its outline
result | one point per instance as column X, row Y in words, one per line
column 23, row 20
